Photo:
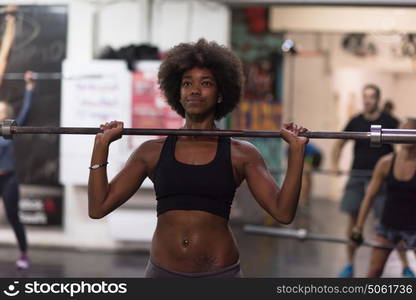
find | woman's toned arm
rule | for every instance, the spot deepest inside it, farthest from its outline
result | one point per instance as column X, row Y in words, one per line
column 281, row 203
column 104, row 197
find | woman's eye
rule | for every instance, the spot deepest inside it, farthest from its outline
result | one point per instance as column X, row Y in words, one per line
column 206, row 83
column 186, row 83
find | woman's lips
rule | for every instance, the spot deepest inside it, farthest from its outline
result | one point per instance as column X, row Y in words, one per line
column 194, row 100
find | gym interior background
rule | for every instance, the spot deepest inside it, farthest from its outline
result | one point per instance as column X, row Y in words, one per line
column 108, row 53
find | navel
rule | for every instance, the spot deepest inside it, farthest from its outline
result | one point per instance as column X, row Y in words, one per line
column 185, row 243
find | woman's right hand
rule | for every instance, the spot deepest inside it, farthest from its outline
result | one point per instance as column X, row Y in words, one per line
column 111, row 131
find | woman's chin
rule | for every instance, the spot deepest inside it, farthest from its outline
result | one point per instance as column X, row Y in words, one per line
column 197, row 112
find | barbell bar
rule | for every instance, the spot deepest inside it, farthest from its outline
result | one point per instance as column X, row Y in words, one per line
column 352, row 173
column 377, row 135
column 302, row 234
column 49, row 76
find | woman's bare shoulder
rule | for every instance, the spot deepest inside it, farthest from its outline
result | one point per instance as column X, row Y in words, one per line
column 387, row 159
column 152, row 144
column 384, row 164
column 150, row 148
column 244, row 149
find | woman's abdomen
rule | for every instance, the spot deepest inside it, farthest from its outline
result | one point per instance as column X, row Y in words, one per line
column 193, row 241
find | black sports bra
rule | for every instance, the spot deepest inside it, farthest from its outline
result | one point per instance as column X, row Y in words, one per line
column 210, row 187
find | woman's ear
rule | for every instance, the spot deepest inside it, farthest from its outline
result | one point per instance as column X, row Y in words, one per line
column 219, row 98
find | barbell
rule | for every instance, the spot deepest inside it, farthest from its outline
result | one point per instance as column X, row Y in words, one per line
column 376, row 136
column 49, row 76
column 302, row 234
column 352, row 173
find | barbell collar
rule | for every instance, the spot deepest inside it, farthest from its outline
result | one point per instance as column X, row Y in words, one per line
column 375, row 136
column 6, row 128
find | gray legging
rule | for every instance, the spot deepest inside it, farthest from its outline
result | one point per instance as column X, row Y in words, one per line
column 154, row 270
column 9, row 189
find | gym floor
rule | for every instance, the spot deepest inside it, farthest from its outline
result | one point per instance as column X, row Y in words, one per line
column 261, row 256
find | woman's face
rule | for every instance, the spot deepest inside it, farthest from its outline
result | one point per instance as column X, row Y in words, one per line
column 199, row 92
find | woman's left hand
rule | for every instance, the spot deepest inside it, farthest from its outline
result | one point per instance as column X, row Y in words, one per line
column 290, row 133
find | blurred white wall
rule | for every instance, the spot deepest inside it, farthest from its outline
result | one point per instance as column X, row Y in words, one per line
column 342, row 19
column 176, row 21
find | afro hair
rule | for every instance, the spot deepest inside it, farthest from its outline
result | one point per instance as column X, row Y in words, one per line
column 221, row 61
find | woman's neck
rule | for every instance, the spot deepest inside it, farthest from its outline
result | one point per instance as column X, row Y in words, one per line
column 205, row 124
